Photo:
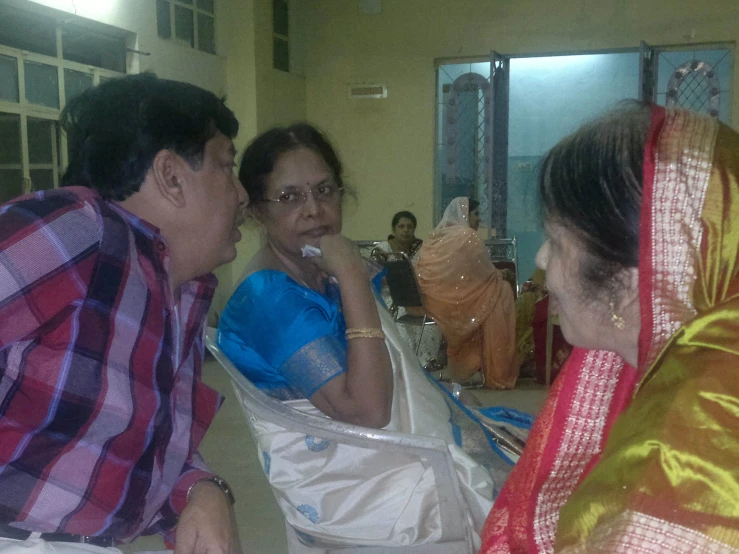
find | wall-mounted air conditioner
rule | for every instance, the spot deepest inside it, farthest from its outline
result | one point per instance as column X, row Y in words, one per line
column 367, row 91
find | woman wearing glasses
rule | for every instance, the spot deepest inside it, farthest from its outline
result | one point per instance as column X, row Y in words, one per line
column 308, row 330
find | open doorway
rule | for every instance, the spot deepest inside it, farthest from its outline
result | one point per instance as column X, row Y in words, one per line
column 491, row 134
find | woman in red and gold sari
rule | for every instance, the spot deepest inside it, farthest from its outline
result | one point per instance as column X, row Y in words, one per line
column 469, row 298
column 637, row 447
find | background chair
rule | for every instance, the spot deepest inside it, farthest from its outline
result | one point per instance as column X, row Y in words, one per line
column 504, row 255
column 551, row 349
column 366, row 247
column 455, row 537
column 405, row 293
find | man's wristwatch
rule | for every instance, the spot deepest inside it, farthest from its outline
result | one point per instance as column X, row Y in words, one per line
column 220, row 482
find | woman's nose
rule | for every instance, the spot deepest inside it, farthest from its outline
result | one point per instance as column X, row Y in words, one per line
column 311, row 207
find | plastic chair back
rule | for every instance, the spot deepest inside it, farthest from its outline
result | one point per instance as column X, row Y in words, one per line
column 401, row 280
column 455, row 538
column 366, row 247
column 504, row 255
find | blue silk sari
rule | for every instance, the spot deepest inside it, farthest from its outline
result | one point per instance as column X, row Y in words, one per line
column 289, row 341
column 285, row 338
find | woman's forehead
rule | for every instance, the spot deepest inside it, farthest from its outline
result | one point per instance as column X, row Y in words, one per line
column 300, row 168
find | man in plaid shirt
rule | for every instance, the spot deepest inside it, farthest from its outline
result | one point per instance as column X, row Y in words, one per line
column 104, row 288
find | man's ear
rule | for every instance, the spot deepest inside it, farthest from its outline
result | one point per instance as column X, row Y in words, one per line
column 167, row 170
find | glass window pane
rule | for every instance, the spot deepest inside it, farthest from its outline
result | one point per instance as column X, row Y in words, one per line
column 11, row 172
column 90, row 48
column 42, row 179
column 206, row 34
column 699, row 80
column 279, row 17
column 10, row 139
column 9, row 79
column 42, row 84
column 41, row 135
column 25, row 31
column 185, row 1
column 75, row 82
column 164, row 22
column 281, row 55
column 11, row 184
column 183, row 25
column 206, row 5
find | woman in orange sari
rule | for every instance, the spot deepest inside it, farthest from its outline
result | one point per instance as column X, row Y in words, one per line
column 637, row 447
column 469, row 299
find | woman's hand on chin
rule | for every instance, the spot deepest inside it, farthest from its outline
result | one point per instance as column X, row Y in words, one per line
column 339, row 256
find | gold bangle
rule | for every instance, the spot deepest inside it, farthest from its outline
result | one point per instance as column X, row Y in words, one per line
column 364, row 333
column 375, row 335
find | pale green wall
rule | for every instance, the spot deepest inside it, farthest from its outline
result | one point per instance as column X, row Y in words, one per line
column 387, row 145
column 261, row 96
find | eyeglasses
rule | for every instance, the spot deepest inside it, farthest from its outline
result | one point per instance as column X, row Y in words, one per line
column 326, row 193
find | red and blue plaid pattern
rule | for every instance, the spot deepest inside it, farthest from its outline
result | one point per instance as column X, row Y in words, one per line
column 101, row 403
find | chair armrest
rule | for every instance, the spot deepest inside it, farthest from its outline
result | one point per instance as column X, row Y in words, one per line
column 433, row 449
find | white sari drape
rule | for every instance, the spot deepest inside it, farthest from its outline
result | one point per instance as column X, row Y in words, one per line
column 334, row 494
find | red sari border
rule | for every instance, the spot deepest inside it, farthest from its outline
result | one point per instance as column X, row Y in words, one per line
column 596, row 387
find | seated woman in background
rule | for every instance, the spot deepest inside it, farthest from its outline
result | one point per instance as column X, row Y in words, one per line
column 403, row 239
column 469, row 298
column 636, row 448
column 310, row 331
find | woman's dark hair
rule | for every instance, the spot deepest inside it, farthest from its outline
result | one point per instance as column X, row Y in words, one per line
column 404, row 214
column 263, row 152
column 115, row 130
column 474, row 204
column 591, row 183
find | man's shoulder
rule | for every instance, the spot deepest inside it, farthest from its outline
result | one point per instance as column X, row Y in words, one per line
column 67, row 214
column 48, row 204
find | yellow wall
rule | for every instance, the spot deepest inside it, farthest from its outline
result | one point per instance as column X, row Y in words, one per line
column 387, row 145
column 260, row 96
column 281, row 95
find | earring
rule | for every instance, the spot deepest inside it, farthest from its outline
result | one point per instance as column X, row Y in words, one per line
column 617, row 320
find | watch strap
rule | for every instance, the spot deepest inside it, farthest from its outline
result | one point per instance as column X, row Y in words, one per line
column 220, row 482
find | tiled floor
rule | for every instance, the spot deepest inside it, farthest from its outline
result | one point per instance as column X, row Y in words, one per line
column 229, row 450
column 528, row 396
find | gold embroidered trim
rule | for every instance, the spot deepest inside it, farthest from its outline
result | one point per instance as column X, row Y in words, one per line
column 634, row 532
column 684, row 155
column 582, row 440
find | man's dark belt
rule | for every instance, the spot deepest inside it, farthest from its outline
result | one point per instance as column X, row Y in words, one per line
column 8, row 532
